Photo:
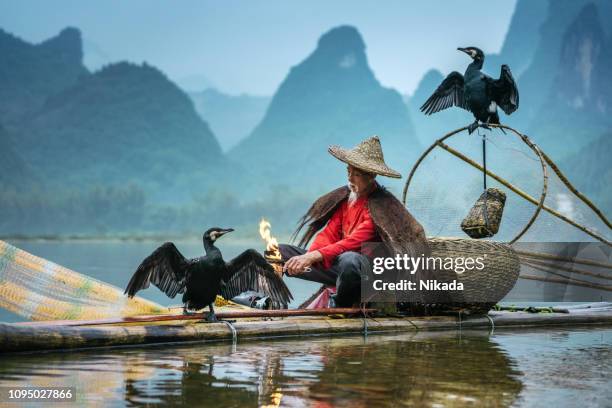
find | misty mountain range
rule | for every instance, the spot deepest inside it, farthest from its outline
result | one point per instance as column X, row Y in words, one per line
column 230, row 117
column 79, row 150
column 332, row 97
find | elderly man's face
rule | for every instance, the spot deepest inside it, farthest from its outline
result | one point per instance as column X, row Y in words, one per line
column 359, row 181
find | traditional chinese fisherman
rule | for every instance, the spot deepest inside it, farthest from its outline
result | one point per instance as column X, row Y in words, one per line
column 348, row 217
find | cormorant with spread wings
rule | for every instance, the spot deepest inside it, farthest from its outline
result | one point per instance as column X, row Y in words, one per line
column 476, row 92
column 200, row 280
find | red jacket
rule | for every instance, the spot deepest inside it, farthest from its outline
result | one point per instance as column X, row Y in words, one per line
column 349, row 227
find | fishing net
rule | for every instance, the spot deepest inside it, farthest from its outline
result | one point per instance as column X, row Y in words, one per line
column 444, row 187
column 542, row 206
column 37, row 289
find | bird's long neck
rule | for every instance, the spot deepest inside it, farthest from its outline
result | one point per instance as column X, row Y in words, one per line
column 476, row 65
column 211, row 249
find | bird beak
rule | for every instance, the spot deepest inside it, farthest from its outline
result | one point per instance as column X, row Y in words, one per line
column 463, row 50
column 225, row 231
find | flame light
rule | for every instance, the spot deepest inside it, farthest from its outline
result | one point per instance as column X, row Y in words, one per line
column 265, row 230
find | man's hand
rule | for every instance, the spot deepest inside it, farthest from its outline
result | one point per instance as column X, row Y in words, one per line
column 298, row 264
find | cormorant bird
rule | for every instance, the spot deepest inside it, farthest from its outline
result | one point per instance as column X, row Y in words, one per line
column 476, row 92
column 202, row 279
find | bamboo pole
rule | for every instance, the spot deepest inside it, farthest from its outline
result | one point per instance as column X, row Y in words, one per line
column 569, row 278
column 520, row 192
column 575, row 191
column 543, row 159
column 525, row 140
column 202, row 316
column 563, row 281
column 489, row 172
column 563, row 259
column 565, row 268
column 20, row 338
column 564, row 180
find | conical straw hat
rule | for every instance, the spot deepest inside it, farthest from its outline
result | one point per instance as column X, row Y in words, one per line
column 366, row 156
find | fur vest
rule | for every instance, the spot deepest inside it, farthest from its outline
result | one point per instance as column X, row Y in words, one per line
column 400, row 232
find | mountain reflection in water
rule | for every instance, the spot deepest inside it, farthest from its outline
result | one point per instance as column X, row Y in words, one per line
column 424, row 369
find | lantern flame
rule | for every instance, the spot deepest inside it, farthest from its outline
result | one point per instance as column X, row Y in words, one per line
column 265, row 230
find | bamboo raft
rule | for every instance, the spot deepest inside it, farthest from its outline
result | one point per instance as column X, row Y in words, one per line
column 143, row 330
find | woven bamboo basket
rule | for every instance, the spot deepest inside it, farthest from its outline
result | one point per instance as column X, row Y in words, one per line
column 485, row 216
column 482, row 289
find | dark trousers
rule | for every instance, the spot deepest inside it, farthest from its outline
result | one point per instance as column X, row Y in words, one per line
column 345, row 273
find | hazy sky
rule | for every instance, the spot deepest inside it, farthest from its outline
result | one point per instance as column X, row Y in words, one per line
column 249, row 46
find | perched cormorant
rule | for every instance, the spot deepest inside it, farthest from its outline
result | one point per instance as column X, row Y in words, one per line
column 476, row 92
column 202, row 279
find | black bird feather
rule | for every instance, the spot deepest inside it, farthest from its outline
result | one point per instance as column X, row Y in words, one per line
column 250, row 271
column 200, row 280
column 504, row 91
column 449, row 93
column 164, row 268
column 476, row 92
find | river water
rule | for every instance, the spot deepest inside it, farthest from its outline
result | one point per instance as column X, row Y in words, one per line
column 532, row 368
column 535, row 368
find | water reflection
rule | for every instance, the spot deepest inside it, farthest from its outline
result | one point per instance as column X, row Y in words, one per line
column 449, row 369
column 430, row 369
